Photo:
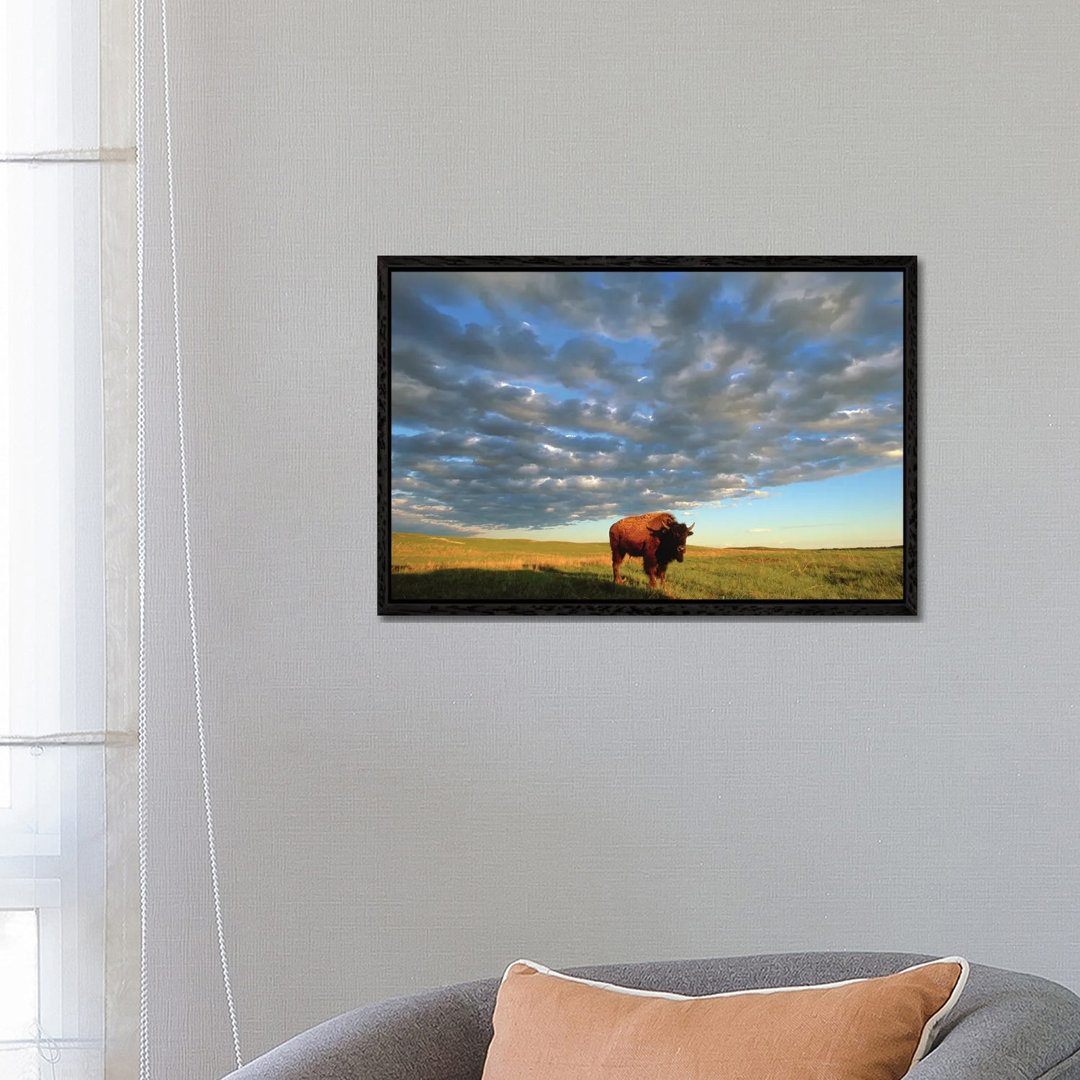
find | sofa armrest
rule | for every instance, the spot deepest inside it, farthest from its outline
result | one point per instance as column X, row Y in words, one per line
column 440, row 1034
column 1007, row 1026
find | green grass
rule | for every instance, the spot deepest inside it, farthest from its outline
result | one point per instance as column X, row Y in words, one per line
column 436, row 568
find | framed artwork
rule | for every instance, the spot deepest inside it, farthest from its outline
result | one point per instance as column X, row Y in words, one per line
column 647, row 436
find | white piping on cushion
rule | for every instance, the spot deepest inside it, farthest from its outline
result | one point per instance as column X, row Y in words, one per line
column 931, row 1025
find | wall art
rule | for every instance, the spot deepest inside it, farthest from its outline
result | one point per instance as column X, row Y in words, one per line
column 647, row 436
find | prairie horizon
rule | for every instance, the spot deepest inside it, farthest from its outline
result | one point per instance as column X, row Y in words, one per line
column 541, row 538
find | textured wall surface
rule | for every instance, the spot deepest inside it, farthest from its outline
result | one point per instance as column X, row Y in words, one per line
column 402, row 804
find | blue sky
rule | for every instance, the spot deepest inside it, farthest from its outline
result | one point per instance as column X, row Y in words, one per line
column 764, row 406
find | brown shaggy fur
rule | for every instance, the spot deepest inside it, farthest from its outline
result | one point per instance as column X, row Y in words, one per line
column 656, row 538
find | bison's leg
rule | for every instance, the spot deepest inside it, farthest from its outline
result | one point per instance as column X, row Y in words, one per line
column 616, row 561
column 661, row 573
column 650, row 569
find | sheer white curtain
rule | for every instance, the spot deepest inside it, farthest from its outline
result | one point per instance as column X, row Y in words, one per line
column 60, row 245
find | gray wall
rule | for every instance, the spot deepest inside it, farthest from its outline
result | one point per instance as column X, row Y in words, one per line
column 402, row 804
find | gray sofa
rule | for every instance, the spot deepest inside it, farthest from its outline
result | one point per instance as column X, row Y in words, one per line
column 1006, row 1026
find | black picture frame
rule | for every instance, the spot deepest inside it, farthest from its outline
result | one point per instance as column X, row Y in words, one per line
column 658, row 604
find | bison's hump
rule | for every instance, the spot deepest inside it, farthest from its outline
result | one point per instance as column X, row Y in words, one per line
column 656, row 520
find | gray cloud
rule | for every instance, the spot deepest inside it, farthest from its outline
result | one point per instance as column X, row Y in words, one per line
column 581, row 396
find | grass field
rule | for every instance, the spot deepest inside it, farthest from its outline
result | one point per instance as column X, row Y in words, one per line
column 443, row 568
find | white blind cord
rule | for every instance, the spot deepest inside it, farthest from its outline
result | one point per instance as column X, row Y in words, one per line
column 140, row 453
column 197, row 680
column 140, row 199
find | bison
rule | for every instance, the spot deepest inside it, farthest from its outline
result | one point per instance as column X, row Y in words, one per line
column 657, row 538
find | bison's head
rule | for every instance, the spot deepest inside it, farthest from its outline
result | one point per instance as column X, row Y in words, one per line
column 672, row 539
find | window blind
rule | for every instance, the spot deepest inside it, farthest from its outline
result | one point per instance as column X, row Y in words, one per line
column 62, row 252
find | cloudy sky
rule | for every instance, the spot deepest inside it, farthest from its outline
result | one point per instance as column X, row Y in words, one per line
column 765, row 406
